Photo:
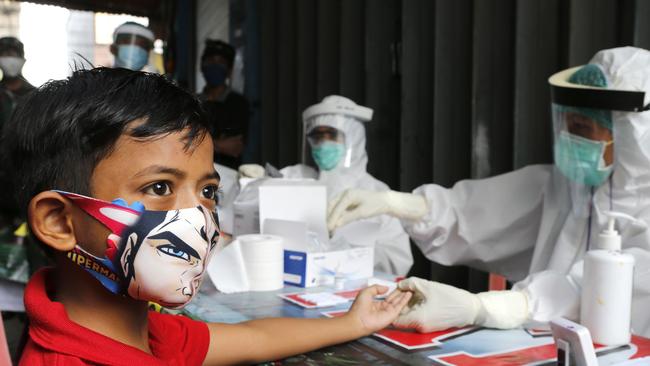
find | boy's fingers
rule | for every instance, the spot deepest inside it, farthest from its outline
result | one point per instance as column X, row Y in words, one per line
column 393, row 295
column 371, row 291
column 379, row 289
column 404, row 300
column 398, row 302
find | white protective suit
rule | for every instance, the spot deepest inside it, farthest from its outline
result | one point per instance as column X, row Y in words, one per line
column 531, row 225
column 392, row 248
column 228, row 191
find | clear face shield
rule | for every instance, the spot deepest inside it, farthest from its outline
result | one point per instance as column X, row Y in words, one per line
column 583, row 147
column 324, row 142
column 132, row 51
column 134, row 39
column 584, row 128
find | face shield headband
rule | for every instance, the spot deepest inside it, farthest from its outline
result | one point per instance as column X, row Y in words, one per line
column 580, row 95
column 566, row 93
column 157, row 256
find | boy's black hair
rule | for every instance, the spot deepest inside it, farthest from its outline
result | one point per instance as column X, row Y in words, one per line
column 63, row 129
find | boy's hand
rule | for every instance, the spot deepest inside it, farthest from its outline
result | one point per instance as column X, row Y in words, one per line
column 371, row 315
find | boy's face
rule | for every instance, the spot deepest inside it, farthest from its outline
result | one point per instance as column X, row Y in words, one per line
column 159, row 172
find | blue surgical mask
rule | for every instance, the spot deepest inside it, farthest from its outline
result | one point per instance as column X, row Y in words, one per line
column 328, row 154
column 581, row 159
column 214, row 74
column 130, row 56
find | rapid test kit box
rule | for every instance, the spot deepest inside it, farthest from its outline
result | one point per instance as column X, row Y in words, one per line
column 296, row 210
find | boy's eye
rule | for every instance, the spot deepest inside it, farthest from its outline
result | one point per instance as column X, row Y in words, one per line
column 159, row 189
column 210, row 192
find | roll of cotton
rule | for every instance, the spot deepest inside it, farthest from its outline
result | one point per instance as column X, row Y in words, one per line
column 263, row 257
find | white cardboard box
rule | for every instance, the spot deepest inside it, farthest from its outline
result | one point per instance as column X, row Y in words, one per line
column 296, row 211
column 316, row 268
column 320, row 268
column 295, row 200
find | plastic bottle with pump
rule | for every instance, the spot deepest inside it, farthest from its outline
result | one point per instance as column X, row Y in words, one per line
column 606, row 303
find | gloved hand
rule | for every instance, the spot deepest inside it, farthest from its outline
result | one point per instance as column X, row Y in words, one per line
column 355, row 204
column 251, row 171
column 436, row 306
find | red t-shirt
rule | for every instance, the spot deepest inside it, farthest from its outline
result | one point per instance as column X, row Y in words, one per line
column 55, row 340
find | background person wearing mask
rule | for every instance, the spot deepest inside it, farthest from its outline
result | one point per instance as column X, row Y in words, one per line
column 227, row 110
column 335, row 136
column 535, row 224
column 13, row 88
column 132, row 43
column 13, row 85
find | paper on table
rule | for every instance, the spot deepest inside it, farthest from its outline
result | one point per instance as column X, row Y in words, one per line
column 227, row 269
column 319, row 299
column 322, row 299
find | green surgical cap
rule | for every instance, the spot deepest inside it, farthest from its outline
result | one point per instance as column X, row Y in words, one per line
column 591, row 75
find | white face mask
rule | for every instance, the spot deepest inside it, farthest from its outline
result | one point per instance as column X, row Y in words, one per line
column 11, row 65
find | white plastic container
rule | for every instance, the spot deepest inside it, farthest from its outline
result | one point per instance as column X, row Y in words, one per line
column 606, row 303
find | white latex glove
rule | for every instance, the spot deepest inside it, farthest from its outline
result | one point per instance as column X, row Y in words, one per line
column 251, row 171
column 356, row 204
column 436, row 306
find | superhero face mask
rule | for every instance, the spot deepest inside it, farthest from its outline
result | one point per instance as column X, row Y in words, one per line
column 157, row 256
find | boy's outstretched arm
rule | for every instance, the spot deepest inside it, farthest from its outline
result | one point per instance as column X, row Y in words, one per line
column 276, row 338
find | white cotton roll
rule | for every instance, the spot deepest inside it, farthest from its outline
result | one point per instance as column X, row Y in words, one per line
column 261, row 248
column 264, row 260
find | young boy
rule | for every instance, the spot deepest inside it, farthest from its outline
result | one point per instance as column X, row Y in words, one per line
column 107, row 134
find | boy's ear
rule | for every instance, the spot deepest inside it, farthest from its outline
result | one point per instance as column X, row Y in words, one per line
column 50, row 219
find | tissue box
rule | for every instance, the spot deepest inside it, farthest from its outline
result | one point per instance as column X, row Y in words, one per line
column 309, row 269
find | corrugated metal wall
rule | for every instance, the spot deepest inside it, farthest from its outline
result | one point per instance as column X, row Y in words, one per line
column 458, row 86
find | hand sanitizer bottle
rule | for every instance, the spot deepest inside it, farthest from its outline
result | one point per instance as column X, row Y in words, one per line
column 606, row 303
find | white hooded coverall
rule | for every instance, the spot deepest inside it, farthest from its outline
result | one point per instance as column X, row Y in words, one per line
column 527, row 225
column 392, row 248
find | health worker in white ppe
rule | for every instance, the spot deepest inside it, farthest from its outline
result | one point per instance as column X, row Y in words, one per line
column 336, row 138
column 535, row 224
column 132, row 43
